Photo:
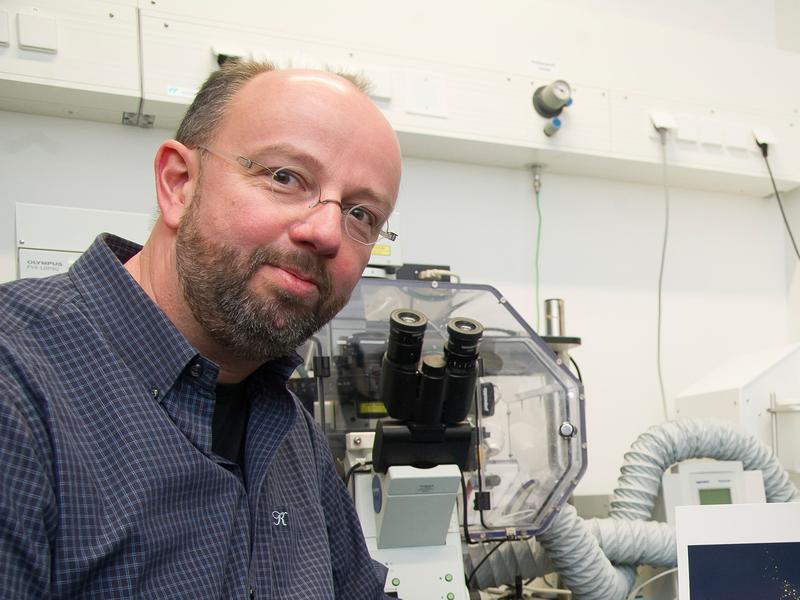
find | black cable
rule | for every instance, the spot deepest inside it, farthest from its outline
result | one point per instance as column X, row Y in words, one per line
column 577, row 368
column 352, row 470
column 483, row 560
column 464, row 509
column 764, row 152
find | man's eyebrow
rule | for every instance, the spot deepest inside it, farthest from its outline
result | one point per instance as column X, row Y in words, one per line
column 295, row 155
column 367, row 195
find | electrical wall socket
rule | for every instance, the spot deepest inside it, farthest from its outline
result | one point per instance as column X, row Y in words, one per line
column 663, row 120
column 764, row 136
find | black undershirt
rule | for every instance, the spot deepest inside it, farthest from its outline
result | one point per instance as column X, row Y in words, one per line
column 229, row 427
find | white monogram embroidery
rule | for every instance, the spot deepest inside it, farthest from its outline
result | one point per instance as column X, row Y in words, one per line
column 279, row 517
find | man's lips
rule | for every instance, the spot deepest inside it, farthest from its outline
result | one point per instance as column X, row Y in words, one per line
column 294, row 281
column 300, row 275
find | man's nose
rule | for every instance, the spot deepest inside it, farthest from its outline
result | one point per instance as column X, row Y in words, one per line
column 321, row 227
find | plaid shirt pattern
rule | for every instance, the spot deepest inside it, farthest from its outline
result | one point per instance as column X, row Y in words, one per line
column 108, row 484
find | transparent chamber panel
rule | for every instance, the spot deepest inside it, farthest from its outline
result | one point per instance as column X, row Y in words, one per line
column 528, row 412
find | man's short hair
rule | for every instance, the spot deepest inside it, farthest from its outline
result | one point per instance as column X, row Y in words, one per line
column 208, row 108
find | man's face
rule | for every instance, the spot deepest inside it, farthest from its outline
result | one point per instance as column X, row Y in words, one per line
column 261, row 276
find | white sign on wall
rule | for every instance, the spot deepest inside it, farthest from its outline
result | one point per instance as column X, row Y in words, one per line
column 51, row 238
column 42, row 263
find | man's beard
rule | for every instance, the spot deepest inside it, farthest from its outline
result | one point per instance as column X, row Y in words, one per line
column 253, row 327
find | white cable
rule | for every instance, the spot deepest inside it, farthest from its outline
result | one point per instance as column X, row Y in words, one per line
column 639, row 588
column 663, row 134
column 437, row 274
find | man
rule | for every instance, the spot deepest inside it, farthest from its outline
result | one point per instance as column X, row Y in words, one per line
column 148, row 445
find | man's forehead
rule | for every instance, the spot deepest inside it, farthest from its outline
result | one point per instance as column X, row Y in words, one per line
column 276, row 111
column 273, row 85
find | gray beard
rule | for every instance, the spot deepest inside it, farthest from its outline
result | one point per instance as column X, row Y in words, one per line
column 214, row 279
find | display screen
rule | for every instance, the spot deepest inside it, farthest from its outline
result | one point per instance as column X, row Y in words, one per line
column 744, row 571
column 715, row 496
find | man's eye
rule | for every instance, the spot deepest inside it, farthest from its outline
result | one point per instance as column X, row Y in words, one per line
column 363, row 215
column 286, row 180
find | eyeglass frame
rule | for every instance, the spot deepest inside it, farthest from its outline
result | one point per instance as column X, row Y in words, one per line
column 249, row 163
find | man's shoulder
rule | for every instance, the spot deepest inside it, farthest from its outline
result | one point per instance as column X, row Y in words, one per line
column 41, row 326
column 26, row 303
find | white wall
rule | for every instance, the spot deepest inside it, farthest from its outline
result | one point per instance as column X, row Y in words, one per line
column 63, row 162
column 727, row 276
column 787, row 22
column 724, row 285
column 750, row 21
column 791, row 203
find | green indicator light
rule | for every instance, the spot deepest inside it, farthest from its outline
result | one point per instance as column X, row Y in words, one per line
column 448, row 577
column 395, row 582
column 450, row 596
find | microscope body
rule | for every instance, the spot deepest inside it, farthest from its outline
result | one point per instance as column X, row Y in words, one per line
column 407, row 504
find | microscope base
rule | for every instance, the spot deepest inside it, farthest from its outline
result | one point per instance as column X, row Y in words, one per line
column 415, row 572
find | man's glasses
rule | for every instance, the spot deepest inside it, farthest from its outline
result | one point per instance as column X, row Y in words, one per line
column 362, row 223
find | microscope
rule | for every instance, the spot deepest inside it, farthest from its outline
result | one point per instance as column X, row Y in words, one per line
column 406, row 503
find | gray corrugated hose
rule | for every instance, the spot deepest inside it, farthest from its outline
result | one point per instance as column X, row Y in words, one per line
column 597, row 558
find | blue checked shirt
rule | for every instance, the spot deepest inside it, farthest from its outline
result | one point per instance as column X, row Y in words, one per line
column 108, row 484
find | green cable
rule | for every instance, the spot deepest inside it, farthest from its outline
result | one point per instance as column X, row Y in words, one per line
column 538, row 248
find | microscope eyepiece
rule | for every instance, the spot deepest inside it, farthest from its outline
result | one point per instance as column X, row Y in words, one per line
column 461, row 354
column 408, row 320
column 406, row 331
column 440, row 393
column 464, row 335
column 399, row 376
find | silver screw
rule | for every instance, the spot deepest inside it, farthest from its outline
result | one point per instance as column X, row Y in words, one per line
column 566, row 429
column 357, row 441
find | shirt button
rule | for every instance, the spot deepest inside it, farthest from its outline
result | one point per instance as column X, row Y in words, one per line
column 196, row 370
column 154, row 392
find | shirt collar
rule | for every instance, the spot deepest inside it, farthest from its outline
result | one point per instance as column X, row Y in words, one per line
column 134, row 325
column 148, row 342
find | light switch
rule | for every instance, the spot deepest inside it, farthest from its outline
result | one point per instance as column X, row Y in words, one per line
column 426, row 94
column 37, row 32
column 711, row 132
column 4, row 31
column 687, row 128
column 738, row 137
column 381, row 83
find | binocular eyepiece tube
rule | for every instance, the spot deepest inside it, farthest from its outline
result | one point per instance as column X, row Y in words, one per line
column 438, row 392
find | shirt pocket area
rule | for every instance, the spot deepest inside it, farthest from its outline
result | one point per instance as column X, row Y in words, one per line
column 300, row 561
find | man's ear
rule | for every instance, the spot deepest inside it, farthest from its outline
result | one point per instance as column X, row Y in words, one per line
column 177, row 170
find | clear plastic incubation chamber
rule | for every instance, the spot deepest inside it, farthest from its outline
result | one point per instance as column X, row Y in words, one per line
column 529, row 447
